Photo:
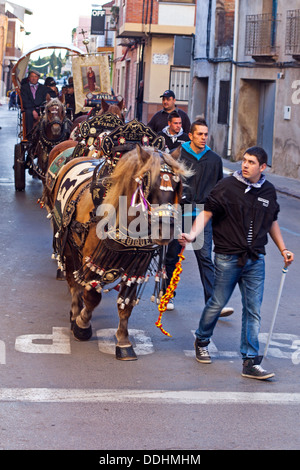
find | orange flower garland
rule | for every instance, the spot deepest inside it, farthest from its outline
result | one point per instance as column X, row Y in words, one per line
column 170, row 292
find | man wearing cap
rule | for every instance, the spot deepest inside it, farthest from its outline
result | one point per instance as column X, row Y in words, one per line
column 160, row 119
column 33, row 96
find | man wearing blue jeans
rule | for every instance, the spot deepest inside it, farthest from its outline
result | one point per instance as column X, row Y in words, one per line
column 243, row 209
column 207, row 170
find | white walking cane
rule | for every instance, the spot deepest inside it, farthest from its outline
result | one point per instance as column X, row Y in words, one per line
column 284, row 271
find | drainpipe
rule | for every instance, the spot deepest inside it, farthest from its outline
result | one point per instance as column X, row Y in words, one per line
column 233, row 76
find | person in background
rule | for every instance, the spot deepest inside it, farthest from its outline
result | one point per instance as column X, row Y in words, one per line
column 34, row 96
column 52, row 88
column 244, row 210
column 173, row 132
column 160, row 119
column 139, row 101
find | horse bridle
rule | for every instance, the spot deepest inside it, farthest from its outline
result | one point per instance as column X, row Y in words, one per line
column 54, row 109
column 163, row 210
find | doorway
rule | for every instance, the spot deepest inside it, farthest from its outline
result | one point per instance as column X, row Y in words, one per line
column 266, row 118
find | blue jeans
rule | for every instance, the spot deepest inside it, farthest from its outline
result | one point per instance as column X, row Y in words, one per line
column 250, row 279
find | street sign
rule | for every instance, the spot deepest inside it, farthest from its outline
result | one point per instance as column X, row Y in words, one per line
column 98, row 22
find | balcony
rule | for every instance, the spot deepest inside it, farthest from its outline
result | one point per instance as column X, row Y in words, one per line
column 260, row 41
column 292, row 37
column 161, row 18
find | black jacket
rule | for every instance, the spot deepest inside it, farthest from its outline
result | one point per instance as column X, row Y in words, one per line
column 233, row 210
column 160, row 120
column 208, row 170
column 172, row 142
column 27, row 97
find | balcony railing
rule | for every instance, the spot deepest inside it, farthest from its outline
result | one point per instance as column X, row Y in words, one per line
column 261, row 36
column 292, row 37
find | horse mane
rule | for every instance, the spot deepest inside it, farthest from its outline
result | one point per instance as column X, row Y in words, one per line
column 135, row 164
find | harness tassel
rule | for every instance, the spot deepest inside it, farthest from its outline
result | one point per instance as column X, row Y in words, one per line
column 169, row 292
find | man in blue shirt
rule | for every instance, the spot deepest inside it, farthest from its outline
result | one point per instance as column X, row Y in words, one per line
column 208, row 170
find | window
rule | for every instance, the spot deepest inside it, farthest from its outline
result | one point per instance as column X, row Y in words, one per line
column 292, row 39
column 223, row 102
column 179, row 83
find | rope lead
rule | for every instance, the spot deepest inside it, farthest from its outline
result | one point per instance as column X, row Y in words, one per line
column 170, row 292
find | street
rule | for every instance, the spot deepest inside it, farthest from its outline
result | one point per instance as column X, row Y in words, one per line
column 60, row 394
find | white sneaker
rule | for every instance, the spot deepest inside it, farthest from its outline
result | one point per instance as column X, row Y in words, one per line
column 226, row 312
column 170, row 305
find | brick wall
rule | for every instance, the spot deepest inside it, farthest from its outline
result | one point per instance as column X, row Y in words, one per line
column 225, row 23
column 135, row 13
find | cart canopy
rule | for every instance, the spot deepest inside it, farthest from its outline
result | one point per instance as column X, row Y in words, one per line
column 19, row 69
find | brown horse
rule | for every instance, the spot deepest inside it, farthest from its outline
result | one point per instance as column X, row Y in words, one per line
column 98, row 250
column 54, row 127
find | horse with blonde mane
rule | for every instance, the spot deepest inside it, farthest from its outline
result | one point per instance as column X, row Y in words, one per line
column 101, row 242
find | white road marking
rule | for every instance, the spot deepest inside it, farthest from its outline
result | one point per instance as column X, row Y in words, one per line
column 37, row 344
column 2, row 353
column 107, row 342
column 187, row 397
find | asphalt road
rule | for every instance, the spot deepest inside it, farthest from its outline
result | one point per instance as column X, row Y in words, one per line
column 60, row 394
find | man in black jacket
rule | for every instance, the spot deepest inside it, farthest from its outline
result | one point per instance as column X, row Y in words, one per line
column 33, row 95
column 244, row 210
column 173, row 132
column 160, row 119
column 208, row 170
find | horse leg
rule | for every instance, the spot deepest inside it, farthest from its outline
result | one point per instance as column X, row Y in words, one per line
column 124, row 348
column 80, row 324
column 82, row 328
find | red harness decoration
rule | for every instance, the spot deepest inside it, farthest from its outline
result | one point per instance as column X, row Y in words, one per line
column 170, row 292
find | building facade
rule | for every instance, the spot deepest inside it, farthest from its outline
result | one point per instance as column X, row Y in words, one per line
column 246, row 78
column 267, row 85
column 150, row 49
column 12, row 34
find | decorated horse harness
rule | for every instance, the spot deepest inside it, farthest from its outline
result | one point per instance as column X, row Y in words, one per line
column 119, row 261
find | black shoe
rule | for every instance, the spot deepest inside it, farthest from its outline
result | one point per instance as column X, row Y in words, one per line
column 253, row 370
column 202, row 354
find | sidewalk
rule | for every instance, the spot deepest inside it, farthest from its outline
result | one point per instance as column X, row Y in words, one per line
column 284, row 185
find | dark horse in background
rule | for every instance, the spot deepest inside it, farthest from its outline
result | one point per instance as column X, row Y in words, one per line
column 99, row 253
column 75, row 137
column 116, row 109
column 53, row 128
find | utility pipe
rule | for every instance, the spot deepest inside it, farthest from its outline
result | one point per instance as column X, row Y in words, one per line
column 233, row 76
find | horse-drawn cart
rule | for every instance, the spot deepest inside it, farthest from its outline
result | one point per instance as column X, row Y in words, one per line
column 33, row 147
column 24, row 145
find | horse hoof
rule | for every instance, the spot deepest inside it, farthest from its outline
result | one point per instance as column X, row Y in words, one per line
column 82, row 334
column 125, row 354
column 60, row 276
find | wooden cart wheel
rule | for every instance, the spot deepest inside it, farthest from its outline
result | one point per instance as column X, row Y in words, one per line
column 19, row 168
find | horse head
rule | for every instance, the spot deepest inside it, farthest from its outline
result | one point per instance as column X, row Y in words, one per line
column 112, row 108
column 152, row 188
column 54, row 118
